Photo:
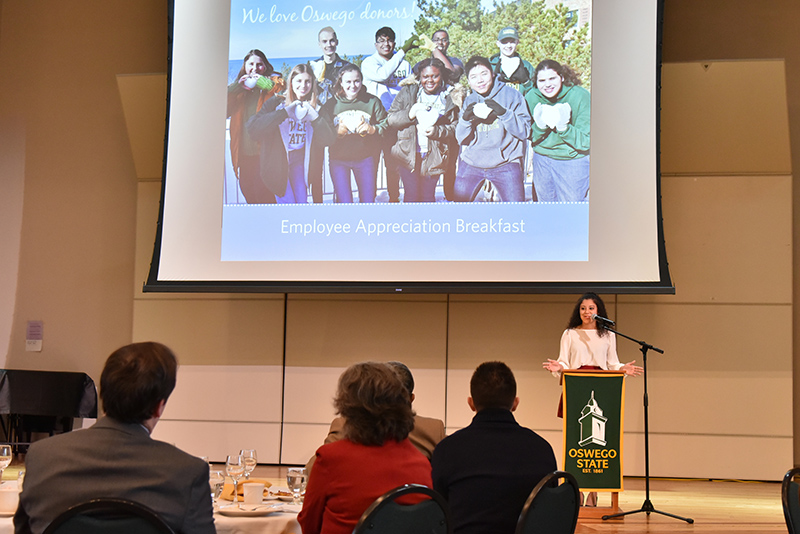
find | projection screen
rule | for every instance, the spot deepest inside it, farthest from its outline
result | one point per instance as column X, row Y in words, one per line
column 210, row 238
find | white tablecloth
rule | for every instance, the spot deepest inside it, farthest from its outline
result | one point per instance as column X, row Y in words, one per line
column 277, row 523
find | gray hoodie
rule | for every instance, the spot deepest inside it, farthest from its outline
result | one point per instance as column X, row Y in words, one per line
column 489, row 143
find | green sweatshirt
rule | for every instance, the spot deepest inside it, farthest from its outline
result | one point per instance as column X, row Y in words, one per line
column 352, row 146
column 573, row 142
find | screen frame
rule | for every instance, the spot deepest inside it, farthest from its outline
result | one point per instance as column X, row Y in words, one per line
column 662, row 286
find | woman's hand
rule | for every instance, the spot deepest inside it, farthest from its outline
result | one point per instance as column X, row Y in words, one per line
column 264, row 83
column 290, row 109
column 365, row 128
column 341, row 129
column 552, row 366
column 549, row 116
column 631, row 370
column 312, row 114
column 412, row 112
column 538, row 116
column 564, row 115
column 247, row 82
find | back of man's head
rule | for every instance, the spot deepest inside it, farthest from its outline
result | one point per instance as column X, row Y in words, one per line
column 405, row 375
column 493, row 386
column 135, row 379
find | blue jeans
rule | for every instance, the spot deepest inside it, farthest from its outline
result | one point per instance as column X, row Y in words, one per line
column 296, row 190
column 364, row 171
column 416, row 187
column 558, row 180
column 507, row 180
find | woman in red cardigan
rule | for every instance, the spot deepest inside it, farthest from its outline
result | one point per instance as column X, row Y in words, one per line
column 375, row 456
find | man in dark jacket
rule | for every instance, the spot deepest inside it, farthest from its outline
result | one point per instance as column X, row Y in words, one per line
column 487, row 470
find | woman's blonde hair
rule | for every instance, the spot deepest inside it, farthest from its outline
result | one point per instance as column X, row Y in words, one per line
column 302, row 68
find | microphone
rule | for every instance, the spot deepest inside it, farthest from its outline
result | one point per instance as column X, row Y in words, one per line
column 603, row 320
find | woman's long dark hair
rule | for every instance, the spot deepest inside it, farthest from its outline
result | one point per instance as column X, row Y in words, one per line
column 575, row 320
column 569, row 76
column 256, row 52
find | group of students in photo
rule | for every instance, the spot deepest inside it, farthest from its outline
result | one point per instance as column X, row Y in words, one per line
column 419, row 118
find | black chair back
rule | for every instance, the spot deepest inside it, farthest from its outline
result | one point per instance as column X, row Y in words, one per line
column 387, row 516
column 551, row 508
column 790, row 497
column 101, row 516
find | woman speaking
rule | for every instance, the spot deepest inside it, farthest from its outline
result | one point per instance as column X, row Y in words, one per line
column 586, row 344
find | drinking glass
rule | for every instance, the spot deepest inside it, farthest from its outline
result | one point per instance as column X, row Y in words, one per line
column 5, row 458
column 234, row 466
column 250, row 461
column 296, row 479
column 216, row 479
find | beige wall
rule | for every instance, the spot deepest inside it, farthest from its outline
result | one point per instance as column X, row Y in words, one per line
column 720, row 393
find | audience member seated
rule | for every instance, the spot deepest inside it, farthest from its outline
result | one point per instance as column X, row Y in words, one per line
column 427, row 431
column 487, row 470
column 373, row 456
column 116, row 457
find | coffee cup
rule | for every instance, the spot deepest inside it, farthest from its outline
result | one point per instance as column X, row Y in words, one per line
column 253, row 492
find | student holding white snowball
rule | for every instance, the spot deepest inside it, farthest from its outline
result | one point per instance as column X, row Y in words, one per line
column 292, row 135
column 425, row 116
column 561, row 111
column 253, row 86
column 359, row 120
column 493, row 131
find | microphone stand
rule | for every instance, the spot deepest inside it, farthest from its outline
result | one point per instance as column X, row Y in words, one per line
column 647, row 506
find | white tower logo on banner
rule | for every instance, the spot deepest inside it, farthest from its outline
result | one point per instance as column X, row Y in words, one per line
column 593, row 424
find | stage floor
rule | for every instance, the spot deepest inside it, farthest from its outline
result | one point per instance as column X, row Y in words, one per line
column 716, row 507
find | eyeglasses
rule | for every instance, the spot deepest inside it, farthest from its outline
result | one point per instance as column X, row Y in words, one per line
column 384, row 41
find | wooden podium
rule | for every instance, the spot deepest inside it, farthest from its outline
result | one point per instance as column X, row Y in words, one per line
column 594, row 402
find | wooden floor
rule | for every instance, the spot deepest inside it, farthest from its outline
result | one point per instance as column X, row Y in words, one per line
column 717, row 507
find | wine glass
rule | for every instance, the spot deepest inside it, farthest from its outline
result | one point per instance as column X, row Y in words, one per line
column 5, row 458
column 216, row 479
column 250, row 461
column 296, row 478
column 234, row 466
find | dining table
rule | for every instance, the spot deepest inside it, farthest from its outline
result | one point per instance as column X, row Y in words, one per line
column 272, row 517
column 274, row 523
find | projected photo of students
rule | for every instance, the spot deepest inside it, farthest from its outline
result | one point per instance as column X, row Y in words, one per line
column 425, row 116
column 292, row 135
column 254, row 84
column 510, row 153
column 359, row 119
column 561, row 111
column 493, row 132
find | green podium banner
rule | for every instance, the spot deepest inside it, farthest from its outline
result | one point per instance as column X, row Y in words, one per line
column 593, row 421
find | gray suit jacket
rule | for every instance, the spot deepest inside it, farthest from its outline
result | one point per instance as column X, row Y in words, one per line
column 427, row 432
column 113, row 459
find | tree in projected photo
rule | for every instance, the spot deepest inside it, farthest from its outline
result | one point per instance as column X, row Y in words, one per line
column 544, row 33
